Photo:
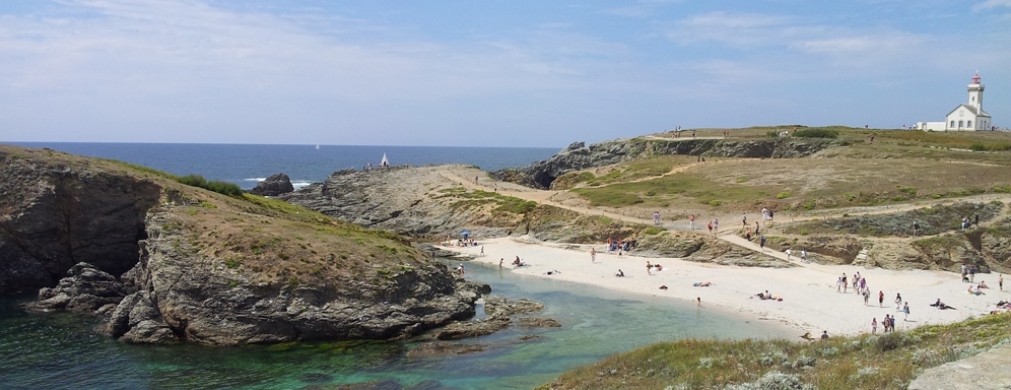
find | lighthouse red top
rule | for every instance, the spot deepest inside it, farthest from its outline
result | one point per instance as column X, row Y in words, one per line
column 975, row 78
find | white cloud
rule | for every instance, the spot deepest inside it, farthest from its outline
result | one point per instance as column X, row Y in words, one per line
column 988, row 4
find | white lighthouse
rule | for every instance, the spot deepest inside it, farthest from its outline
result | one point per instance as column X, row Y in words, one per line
column 965, row 117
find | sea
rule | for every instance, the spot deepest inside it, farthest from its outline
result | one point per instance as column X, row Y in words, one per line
column 246, row 165
column 64, row 351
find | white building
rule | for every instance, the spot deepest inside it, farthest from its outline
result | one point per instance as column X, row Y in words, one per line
column 965, row 117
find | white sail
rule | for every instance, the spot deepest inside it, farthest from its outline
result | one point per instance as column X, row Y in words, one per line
column 385, row 162
column 317, row 146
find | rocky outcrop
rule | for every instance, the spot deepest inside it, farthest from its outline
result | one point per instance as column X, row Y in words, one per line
column 413, row 201
column 499, row 311
column 181, row 295
column 86, row 290
column 54, row 215
column 986, row 371
column 578, row 156
column 274, row 185
column 704, row 249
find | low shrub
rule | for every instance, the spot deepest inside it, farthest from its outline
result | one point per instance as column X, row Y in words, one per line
column 816, row 133
column 220, row 187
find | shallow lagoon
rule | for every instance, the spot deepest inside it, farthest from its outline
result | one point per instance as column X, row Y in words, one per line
column 61, row 351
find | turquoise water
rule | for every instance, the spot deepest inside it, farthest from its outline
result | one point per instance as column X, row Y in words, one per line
column 60, row 350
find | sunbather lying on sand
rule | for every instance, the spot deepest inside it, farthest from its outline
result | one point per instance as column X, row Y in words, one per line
column 702, row 284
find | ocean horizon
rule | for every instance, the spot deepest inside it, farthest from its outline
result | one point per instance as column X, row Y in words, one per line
column 247, row 164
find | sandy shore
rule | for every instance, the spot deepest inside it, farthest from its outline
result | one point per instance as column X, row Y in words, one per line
column 809, row 303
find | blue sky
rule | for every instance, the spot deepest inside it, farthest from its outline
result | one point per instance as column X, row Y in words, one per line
column 485, row 73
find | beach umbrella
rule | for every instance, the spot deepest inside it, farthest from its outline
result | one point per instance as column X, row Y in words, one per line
column 465, row 233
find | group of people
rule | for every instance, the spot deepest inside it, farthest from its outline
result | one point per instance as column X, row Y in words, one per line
column 619, row 245
column 767, row 296
column 888, row 323
column 968, row 223
column 651, row 266
column 803, row 254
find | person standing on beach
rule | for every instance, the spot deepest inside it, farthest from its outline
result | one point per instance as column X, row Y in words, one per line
column 881, row 298
column 844, row 285
column 867, row 296
column 874, row 325
column 699, row 302
column 905, row 311
column 500, row 261
column 1000, row 282
column 593, row 255
column 898, row 301
column 691, row 222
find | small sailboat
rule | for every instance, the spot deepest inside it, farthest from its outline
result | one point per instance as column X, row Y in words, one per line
column 317, row 146
column 385, row 163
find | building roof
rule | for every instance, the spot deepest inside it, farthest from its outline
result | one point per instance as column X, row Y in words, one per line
column 972, row 109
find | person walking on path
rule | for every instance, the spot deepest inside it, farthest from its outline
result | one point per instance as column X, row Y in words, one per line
column 761, row 243
column 744, row 220
column 691, row 222
column 803, row 255
column 716, row 226
column 593, row 255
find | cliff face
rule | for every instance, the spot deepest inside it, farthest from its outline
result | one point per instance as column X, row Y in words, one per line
column 166, row 262
column 180, row 294
column 55, row 215
column 418, row 202
column 578, row 156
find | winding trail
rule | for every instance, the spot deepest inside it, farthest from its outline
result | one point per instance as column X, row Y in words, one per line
column 728, row 233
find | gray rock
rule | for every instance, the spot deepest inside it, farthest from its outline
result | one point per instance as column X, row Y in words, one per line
column 274, row 185
column 53, row 216
column 577, row 156
column 502, row 307
column 533, row 322
column 986, row 371
column 85, row 290
column 181, row 296
column 474, row 328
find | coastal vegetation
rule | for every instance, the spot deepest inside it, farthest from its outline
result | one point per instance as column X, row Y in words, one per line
column 879, row 361
column 855, row 172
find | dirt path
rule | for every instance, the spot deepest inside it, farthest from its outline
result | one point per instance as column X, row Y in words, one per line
column 729, row 235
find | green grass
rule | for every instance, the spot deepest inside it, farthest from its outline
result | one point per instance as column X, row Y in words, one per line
column 657, row 191
column 220, row 187
column 888, row 361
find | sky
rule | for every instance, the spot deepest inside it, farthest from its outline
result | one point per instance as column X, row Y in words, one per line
column 485, row 73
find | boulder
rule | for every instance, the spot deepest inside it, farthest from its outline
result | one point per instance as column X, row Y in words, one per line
column 473, row 328
column 534, row 322
column 497, row 306
column 85, row 290
column 275, row 185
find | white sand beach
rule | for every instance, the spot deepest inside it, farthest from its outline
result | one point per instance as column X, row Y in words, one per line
column 809, row 303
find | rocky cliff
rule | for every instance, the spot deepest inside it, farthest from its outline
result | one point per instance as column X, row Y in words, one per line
column 168, row 262
column 57, row 212
column 181, row 293
column 578, row 156
column 414, row 201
